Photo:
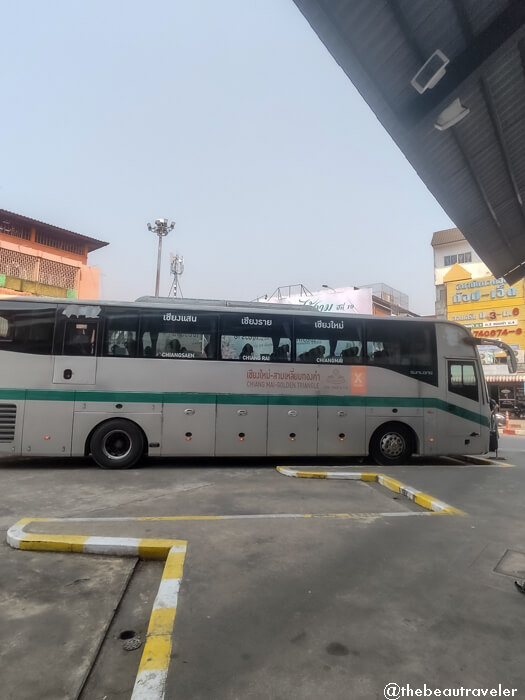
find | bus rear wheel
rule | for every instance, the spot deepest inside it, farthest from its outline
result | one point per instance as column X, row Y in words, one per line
column 117, row 444
column 391, row 444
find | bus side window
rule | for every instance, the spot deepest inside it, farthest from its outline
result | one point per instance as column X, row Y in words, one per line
column 174, row 335
column 80, row 338
column 329, row 340
column 120, row 333
column 462, row 379
column 407, row 347
column 254, row 337
column 28, row 330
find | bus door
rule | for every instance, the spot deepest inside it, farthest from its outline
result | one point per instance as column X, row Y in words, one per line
column 463, row 433
column 75, row 351
column 48, row 421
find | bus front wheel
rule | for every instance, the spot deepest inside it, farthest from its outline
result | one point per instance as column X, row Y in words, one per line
column 391, row 444
column 117, row 444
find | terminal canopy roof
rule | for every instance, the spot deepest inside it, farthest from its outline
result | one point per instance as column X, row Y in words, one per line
column 473, row 161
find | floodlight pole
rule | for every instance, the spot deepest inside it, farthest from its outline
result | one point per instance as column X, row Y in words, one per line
column 161, row 228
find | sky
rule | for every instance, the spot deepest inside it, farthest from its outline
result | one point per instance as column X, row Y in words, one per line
column 231, row 119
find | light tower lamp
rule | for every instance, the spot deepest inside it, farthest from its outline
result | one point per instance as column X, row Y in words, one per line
column 161, row 228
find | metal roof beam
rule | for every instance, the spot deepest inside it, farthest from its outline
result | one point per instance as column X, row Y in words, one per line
column 481, row 189
column 521, row 48
column 406, row 29
column 464, row 22
column 498, row 130
column 514, row 275
column 460, row 68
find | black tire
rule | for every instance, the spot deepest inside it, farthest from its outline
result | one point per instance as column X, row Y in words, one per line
column 117, row 444
column 392, row 443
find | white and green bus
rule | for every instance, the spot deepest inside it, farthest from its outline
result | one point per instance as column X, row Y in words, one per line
column 187, row 378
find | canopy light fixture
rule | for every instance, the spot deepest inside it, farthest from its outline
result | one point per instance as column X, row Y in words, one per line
column 431, row 72
column 451, row 115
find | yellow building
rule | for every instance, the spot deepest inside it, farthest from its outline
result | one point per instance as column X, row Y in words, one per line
column 492, row 310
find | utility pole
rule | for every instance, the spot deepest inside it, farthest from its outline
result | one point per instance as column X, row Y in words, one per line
column 161, row 228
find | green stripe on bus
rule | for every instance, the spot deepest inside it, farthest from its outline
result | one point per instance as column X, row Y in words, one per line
column 458, row 411
column 13, row 394
column 234, row 399
column 250, row 399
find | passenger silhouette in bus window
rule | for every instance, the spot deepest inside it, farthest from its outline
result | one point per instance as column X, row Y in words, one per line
column 349, row 355
column 131, row 347
column 246, row 352
column 281, row 354
column 80, row 340
column 175, row 347
column 313, row 355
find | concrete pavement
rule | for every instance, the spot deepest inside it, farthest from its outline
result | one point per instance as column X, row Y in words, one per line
column 269, row 607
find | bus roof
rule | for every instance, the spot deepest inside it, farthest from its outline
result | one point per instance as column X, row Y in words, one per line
column 220, row 304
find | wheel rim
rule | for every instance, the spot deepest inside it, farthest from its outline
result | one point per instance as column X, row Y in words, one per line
column 117, row 445
column 392, row 445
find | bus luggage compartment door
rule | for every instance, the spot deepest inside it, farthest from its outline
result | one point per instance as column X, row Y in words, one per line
column 241, row 429
column 341, row 431
column 188, row 429
column 47, row 428
column 292, row 428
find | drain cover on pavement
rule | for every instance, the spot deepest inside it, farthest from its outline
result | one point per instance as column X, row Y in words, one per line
column 133, row 643
column 512, row 563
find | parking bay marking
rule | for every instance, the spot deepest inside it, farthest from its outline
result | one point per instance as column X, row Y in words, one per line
column 153, row 668
column 419, row 497
column 481, row 462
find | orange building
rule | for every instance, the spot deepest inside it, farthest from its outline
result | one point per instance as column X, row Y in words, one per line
column 38, row 259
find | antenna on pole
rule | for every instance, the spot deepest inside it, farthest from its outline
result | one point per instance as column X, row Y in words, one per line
column 176, row 269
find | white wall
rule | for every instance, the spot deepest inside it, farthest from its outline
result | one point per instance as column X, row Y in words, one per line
column 477, row 268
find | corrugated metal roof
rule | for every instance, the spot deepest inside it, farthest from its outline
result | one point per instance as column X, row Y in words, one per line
column 476, row 168
column 92, row 243
column 449, row 235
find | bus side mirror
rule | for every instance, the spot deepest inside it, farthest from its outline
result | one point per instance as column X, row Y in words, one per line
column 512, row 362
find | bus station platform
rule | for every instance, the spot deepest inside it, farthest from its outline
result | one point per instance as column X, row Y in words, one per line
column 289, row 587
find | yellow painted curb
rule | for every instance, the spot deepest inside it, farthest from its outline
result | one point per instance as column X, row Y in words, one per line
column 421, row 499
column 476, row 460
column 153, row 669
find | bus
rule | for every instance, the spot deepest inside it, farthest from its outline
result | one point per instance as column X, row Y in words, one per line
column 166, row 377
